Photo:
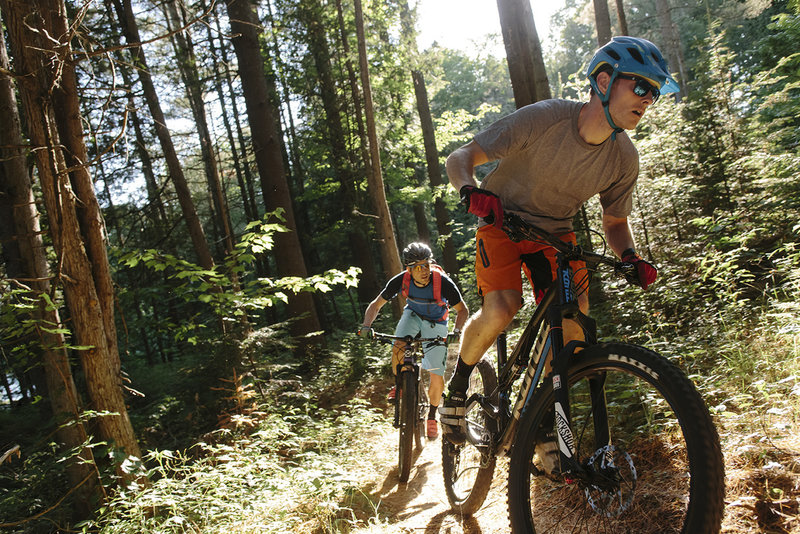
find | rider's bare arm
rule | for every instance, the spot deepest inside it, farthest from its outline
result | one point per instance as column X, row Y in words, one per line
column 462, row 314
column 372, row 310
column 618, row 233
column 461, row 162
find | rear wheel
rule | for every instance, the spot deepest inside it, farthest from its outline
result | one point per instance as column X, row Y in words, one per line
column 656, row 469
column 468, row 469
column 408, row 422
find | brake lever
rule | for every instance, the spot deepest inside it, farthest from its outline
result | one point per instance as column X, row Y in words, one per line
column 628, row 270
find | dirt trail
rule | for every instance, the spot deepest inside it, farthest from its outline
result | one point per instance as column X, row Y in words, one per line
column 421, row 504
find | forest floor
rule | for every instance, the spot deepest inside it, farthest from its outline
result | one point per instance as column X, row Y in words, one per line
column 762, row 487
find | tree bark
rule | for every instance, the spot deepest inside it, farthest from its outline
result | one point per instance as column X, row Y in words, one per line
column 341, row 162
column 388, row 242
column 266, row 136
column 239, row 162
column 623, row 21
column 67, row 114
column 368, row 283
column 17, row 201
column 523, row 52
column 672, row 43
column 187, row 64
column 434, row 167
column 45, row 72
column 602, row 21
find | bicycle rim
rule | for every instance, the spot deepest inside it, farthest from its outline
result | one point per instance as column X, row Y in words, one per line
column 468, row 470
column 408, row 424
column 661, row 472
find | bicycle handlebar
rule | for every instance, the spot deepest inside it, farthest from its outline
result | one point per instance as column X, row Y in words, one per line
column 386, row 338
column 518, row 229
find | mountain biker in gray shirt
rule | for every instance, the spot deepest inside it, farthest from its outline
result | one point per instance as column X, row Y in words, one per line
column 552, row 157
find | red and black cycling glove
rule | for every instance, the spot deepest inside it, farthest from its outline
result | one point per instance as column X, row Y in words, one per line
column 483, row 203
column 646, row 273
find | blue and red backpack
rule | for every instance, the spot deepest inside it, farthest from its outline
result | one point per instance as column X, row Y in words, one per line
column 436, row 277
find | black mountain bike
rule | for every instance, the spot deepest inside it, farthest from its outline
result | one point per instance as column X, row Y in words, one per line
column 411, row 402
column 637, row 452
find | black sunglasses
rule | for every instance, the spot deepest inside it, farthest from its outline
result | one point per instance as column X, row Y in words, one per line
column 642, row 87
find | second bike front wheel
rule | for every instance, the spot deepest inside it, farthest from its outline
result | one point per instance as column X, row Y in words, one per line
column 467, row 469
column 408, row 423
column 655, row 467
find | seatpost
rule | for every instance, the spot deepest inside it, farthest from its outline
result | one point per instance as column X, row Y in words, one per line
column 501, row 350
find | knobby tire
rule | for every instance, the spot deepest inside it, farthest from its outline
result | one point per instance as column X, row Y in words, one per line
column 467, row 470
column 666, row 464
column 408, row 423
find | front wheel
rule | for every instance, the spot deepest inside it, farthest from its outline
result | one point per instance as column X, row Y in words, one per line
column 408, row 422
column 647, row 454
column 467, row 469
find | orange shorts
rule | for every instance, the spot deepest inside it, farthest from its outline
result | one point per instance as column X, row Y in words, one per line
column 498, row 261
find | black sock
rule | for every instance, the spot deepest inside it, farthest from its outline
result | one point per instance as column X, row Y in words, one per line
column 460, row 380
column 432, row 412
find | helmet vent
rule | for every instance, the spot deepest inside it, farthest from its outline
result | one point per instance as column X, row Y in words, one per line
column 636, row 55
column 614, row 54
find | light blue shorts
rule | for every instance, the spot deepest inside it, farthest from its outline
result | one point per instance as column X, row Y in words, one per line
column 411, row 324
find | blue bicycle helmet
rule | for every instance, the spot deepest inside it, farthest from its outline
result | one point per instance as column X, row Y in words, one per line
column 633, row 56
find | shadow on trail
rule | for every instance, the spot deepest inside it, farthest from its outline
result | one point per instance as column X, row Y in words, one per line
column 399, row 496
column 469, row 525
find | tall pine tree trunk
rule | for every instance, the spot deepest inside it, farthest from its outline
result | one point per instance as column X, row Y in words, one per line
column 623, row 21
column 672, row 43
column 368, row 283
column 187, row 64
column 602, row 21
column 342, row 163
column 46, row 76
column 388, row 242
column 130, row 30
column 239, row 163
column 67, row 113
column 266, row 135
column 449, row 259
column 17, row 201
column 523, row 52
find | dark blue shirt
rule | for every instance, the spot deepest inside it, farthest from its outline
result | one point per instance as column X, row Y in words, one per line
column 420, row 299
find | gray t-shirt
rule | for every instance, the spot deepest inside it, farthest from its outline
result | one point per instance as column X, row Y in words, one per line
column 546, row 171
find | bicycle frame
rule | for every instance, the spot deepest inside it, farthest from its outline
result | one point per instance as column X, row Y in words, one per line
column 412, row 352
column 542, row 340
column 410, row 364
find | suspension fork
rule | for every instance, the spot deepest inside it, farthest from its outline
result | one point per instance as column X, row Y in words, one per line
column 408, row 365
column 567, row 307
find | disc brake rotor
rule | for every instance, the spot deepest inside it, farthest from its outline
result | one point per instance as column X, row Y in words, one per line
column 611, row 490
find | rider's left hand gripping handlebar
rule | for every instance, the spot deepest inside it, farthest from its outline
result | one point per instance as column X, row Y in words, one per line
column 366, row 331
